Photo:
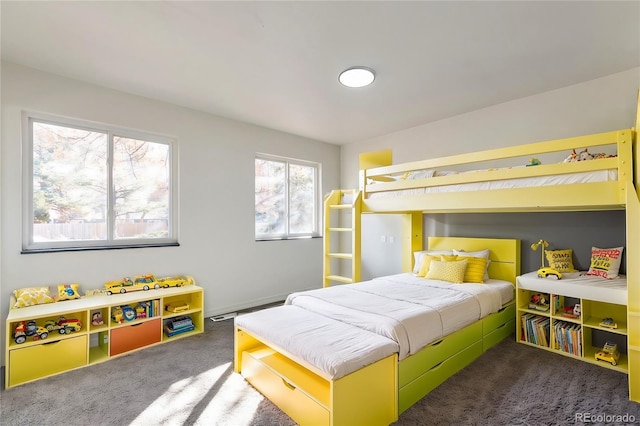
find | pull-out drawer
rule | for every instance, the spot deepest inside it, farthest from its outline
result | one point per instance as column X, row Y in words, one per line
column 498, row 334
column 135, row 336
column 35, row 362
column 438, row 351
column 301, row 394
column 498, row 319
column 431, row 379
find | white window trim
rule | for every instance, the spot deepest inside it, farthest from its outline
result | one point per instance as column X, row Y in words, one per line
column 318, row 200
column 29, row 246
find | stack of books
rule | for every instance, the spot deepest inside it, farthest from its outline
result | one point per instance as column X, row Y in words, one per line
column 178, row 325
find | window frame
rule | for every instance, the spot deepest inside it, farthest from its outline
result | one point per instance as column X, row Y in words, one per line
column 30, row 246
column 317, row 211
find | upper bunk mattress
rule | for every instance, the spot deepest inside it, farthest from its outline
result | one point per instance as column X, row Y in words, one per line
column 409, row 310
column 562, row 179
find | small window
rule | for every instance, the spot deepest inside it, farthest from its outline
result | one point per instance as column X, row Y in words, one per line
column 287, row 198
column 93, row 186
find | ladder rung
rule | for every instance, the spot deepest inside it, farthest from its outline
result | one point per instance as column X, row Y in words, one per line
column 339, row 278
column 341, row 255
column 341, row 206
column 341, row 229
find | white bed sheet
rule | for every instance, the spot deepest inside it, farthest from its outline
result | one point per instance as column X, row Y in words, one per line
column 410, row 310
column 563, row 179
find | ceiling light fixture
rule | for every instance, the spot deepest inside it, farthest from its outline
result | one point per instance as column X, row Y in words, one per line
column 357, row 77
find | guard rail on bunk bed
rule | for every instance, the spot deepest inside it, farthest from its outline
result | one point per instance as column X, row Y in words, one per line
column 391, row 188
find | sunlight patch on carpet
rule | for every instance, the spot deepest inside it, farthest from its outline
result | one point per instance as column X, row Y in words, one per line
column 175, row 405
column 235, row 404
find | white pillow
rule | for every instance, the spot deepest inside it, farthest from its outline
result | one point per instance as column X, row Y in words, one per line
column 420, row 174
column 479, row 253
column 417, row 257
column 605, row 262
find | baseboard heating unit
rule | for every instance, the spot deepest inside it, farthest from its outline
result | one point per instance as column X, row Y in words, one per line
column 224, row 316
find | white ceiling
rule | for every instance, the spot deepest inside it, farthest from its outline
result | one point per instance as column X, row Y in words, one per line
column 276, row 64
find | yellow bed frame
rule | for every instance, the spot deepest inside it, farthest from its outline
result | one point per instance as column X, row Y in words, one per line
column 378, row 393
column 622, row 194
column 611, row 195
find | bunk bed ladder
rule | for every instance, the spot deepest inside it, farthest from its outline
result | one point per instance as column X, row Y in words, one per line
column 342, row 209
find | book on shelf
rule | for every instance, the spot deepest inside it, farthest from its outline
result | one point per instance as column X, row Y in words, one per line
column 536, row 329
column 568, row 338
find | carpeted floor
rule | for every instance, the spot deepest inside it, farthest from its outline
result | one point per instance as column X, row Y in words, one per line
column 191, row 382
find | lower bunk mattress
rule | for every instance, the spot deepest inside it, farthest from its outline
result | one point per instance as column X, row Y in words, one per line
column 394, row 338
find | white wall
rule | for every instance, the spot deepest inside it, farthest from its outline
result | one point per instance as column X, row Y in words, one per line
column 216, row 155
column 600, row 105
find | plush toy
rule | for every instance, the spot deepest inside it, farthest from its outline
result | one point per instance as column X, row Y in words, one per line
column 584, row 155
column 577, row 310
column 573, row 157
column 534, row 162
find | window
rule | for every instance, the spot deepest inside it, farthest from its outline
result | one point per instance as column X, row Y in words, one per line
column 89, row 185
column 287, row 198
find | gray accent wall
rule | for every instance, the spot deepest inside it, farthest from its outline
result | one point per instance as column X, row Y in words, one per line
column 578, row 231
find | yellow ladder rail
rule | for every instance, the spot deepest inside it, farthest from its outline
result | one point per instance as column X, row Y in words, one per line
column 348, row 270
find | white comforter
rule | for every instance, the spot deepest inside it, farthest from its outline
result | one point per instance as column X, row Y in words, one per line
column 410, row 310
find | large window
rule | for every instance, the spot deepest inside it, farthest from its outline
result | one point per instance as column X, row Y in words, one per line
column 93, row 186
column 287, row 198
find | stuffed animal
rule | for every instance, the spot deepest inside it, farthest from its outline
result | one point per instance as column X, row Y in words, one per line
column 534, row 162
column 584, row 155
column 573, row 157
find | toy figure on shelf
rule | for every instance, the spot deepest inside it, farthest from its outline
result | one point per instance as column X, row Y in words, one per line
column 116, row 314
column 571, row 311
column 539, row 302
column 96, row 318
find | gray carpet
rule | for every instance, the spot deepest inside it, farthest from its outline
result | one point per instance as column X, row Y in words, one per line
column 190, row 382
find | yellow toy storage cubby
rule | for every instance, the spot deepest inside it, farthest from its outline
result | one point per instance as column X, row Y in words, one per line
column 107, row 330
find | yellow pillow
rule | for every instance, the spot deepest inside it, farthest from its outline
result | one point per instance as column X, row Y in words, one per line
column 476, row 268
column 68, row 292
column 32, row 296
column 428, row 258
column 447, row 271
column 560, row 260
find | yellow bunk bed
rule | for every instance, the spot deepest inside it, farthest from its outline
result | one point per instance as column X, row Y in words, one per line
column 601, row 184
column 379, row 392
column 385, row 188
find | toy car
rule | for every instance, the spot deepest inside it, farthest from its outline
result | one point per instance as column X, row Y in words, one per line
column 140, row 282
column 177, row 306
column 549, row 273
column 63, row 325
column 608, row 323
column 29, row 328
column 609, row 353
column 176, row 281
